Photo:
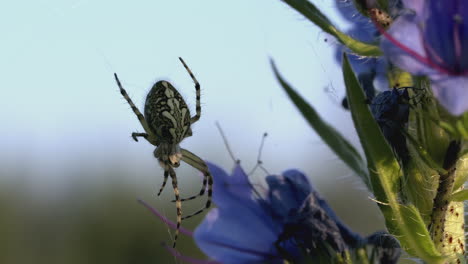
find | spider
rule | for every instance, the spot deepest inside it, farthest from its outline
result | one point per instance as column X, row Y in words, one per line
column 167, row 122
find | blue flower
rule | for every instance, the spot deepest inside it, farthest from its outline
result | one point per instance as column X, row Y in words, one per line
column 287, row 221
column 255, row 225
column 432, row 40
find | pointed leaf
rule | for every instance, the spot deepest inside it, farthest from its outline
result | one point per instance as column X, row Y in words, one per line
column 342, row 148
column 383, row 166
column 460, row 196
column 419, row 235
column 461, row 174
column 312, row 13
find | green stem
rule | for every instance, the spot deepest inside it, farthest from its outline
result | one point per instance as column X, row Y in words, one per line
column 447, row 221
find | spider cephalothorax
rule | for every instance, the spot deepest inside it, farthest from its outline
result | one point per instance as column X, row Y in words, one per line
column 166, row 123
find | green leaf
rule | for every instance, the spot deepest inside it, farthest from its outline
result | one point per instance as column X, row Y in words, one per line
column 423, row 153
column 456, row 126
column 311, row 12
column 405, row 222
column 461, row 125
column 461, row 174
column 342, row 148
column 460, row 196
column 422, row 120
column 383, row 166
column 419, row 188
column 419, row 237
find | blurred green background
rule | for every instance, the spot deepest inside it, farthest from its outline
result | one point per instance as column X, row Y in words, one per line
column 70, row 174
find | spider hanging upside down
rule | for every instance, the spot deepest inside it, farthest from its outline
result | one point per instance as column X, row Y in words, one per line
column 166, row 123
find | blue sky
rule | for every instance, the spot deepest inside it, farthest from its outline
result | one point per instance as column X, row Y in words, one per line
column 62, row 112
column 61, row 102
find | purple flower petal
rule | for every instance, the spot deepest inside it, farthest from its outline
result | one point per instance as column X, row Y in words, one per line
column 416, row 5
column 451, row 92
column 445, row 34
column 236, row 236
column 239, row 218
column 229, row 189
column 236, row 193
column 403, row 45
column 287, row 192
column 434, row 42
column 288, row 221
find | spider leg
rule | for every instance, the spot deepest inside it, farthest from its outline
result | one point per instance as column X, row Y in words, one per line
column 194, row 161
column 197, row 89
column 150, row 136
column 136, row 135
column 166, row 175
column 178, row 203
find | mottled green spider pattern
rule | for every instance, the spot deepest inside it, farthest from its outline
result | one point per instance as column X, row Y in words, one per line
column 167, row 122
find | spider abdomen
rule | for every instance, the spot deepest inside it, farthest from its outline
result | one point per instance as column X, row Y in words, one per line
column 167, row 113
